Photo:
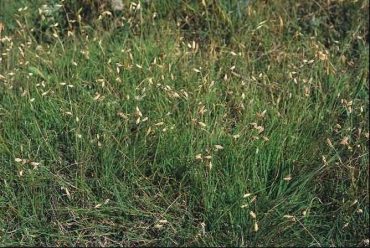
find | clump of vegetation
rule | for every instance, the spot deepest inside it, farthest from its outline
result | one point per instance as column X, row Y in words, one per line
column 62, row 18
column 182, row 123
column 200, row 22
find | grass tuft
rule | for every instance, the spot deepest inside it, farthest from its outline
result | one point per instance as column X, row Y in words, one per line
column 184, row 123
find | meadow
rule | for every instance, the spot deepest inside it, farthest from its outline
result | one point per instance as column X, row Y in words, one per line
column 184, row 123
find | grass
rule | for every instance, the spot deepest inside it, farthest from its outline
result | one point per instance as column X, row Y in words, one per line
column 187, row 124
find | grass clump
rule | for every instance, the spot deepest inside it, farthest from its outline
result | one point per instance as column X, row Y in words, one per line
column 183, row 123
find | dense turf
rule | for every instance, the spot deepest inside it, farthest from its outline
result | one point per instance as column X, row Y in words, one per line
column 185, row 123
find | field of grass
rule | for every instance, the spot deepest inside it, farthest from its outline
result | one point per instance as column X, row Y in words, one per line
column 184, row 123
